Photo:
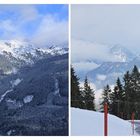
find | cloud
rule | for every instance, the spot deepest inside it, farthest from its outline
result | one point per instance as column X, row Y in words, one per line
column 84, row 66
column 7, row 25
column 27, row 22
column 110, row 24
column 19, row 13
column 87, row 51
column 29, row 13
column 101, row 77
column 51, row 31
column 9, row 30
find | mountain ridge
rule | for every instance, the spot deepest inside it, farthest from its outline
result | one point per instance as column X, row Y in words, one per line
column 106, row 71
column 15, row 53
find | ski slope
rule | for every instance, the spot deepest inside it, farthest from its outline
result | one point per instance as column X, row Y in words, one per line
column 91, row 123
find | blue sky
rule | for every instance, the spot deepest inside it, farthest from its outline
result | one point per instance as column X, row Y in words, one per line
column 41, row 24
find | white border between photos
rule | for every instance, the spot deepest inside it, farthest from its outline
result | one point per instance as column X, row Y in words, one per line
column 69, row 1
column 69, row 69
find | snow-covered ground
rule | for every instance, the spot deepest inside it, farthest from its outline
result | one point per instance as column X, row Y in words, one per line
column 91, row 123
column 15, row 82
column 28, row 99
column 3, row 95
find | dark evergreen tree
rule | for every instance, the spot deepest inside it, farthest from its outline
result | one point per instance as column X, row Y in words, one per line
column 88, row 96
column 127, row 90
column 132, row 93
column 135, row 95
column 105, row 97
column 75, row 90
column 82, row 98
column 113, row 104
column 117, row 98
column 124, row 99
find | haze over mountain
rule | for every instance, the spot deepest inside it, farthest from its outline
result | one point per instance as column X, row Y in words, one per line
column 105, row 41
column 102, row 63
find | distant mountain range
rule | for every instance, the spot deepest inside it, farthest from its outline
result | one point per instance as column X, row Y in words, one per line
column 101, row 71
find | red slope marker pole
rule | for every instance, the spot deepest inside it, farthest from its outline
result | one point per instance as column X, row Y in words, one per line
column 105, row 119
column 132, row 122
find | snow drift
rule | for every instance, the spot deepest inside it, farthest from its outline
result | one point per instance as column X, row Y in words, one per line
column 91, row 123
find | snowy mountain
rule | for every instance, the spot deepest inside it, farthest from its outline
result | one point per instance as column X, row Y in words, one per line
column 102, row 63
column 108, row 72
column 121, row 54
column 15, row 53
column 87, row 56
column 18, row 48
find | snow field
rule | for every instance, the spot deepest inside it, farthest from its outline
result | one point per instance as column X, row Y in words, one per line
column 91, row 123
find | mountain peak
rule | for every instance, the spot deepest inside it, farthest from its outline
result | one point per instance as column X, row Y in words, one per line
column 16, row 53
column 18, row 48
column 121, row 53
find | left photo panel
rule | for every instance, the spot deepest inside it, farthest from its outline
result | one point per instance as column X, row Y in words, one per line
column 34, row 70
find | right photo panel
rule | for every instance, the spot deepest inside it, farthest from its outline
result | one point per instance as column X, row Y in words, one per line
column 105, row 70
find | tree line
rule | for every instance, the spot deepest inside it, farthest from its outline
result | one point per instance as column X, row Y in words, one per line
column 122, row 100
column 81, row 97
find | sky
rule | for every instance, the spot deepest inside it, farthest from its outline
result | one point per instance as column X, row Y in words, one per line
column 41, row 24
column 106, row 24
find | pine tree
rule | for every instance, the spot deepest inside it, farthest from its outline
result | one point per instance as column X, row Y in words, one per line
column 105, row 97
column 135, row 80
column 113, row 104
column 132, row 93
column 75, row 90
column 135, row 85
column 88, row 96
column 82, row 98
column 117, row 99
column 124, row 99
column 127, row 90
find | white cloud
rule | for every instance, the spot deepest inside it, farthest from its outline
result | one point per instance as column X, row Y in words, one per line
column 84, row 66
column 7, row 25
column 85, row 50
column 101, row 77
column 29, row 13
column 10, row 30
column 20, row 15
column 51, row 31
